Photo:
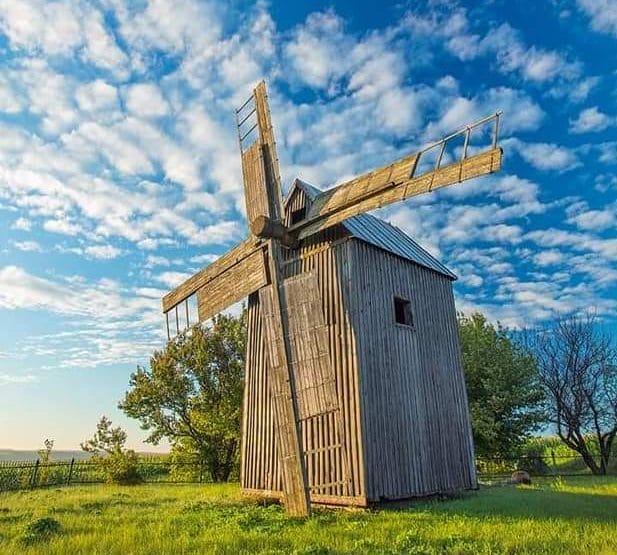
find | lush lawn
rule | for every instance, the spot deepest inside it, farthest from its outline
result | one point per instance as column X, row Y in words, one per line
column 555, row 516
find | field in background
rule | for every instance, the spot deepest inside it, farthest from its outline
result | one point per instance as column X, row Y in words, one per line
column 554, row 515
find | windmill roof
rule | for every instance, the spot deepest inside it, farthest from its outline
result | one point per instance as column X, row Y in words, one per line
column 384, row 235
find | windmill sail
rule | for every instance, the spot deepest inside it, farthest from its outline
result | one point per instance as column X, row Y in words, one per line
column 398, row 181
column 229, row 279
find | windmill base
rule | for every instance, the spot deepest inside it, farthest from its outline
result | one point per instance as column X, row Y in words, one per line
column 359, row 502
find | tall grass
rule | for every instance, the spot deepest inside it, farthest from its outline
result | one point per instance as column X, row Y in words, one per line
column 565, row 515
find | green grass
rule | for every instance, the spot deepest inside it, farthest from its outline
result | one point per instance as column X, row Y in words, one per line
column 574, row 515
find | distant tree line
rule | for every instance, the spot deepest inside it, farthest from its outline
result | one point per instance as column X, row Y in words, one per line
column 562, row 375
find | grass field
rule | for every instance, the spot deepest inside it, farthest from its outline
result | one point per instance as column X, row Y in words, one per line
column 574, row 515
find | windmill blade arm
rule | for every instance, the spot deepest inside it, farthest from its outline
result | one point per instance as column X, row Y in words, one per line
column 226, row 281
column 397, row 181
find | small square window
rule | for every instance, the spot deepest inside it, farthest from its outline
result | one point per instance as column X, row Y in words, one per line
column 402, row 312
column 298, row 215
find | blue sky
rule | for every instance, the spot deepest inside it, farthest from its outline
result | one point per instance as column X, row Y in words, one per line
column 120, row 174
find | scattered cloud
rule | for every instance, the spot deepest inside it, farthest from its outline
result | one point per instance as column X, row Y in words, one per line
column 172, row 279
column 545, row 156
column 602, row 13
column 103, row 252
column 590, row 120
column 7, row 379
column 146, row 100
column 22, row 224
column 28, row 246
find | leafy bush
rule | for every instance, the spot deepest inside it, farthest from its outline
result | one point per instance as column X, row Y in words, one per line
column 41, row 529
column 119, row 465
column 121, row 468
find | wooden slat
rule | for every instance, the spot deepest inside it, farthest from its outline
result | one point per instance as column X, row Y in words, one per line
column 387, row 185
column 255, row 192
column 237, row 282
column 214, row 270
column 268, row 151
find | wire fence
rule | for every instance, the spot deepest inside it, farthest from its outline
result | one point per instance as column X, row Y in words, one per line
column 16, row 475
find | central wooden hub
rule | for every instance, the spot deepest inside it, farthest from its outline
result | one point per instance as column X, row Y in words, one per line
column 265, row 228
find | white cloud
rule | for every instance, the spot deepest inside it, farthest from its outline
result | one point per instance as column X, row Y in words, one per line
column 146, row 100
column 548, row 257
column 590, row 120
column 7, row 379
column 172, row 279
column 451, row 27
column 603, row 14
column 594, row 220
column 553, row 237
column 97, row 95
column 204, row 258
column 53, row 27
column 315, row 50
column 544, row 156
column 22, row 224
column 27, row 246
column 103, row 252
column 61, row 226
column 62, row 28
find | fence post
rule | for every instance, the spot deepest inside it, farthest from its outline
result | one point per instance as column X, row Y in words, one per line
column 201, row 470
column 70, row 471
column 35, row 471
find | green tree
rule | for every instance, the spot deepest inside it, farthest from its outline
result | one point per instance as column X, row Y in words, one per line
column 192, row 394
column 502, row 386
column 120, row 465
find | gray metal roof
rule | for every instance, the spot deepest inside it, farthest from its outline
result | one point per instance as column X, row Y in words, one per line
column 381, row 234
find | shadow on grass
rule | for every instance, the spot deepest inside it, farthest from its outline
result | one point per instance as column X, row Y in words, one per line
column 524, row 502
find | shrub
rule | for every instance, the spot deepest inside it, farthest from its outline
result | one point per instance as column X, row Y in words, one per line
column 121, row 468
column 41, row 529
column 119, row 465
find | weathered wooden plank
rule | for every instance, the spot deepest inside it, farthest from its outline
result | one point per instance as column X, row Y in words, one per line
column 255, row 191
column 236, row 283
column 268, row 151
column 283, row 389
column 211, row 272
column 308, row 337
column 378, row 189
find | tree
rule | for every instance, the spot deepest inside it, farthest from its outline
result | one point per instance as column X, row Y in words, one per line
column 192, row 393
column 119, row 464
column 502, row 388
column 577, row 366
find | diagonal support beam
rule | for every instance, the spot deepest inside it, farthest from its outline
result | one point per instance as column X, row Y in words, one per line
column 276, row 325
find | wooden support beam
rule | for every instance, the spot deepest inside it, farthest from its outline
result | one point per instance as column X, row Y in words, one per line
column 293, row 466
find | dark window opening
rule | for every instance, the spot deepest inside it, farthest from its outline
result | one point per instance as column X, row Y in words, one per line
column 298, row 215
column 402, row 312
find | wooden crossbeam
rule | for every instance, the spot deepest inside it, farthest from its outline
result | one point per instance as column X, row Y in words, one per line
column 234, row 257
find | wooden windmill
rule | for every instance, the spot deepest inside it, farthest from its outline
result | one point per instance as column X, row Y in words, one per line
column 299, row 434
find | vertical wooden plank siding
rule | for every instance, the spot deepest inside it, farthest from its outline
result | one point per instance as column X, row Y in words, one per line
column 417, row 434
column 332, row 444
